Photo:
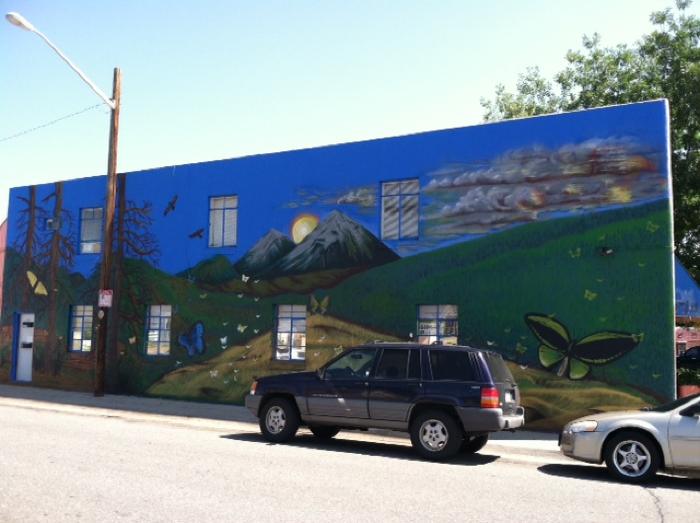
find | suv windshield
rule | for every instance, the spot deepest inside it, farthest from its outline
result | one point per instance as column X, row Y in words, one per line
column 668, row 407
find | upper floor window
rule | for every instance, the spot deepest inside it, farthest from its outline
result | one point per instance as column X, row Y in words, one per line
column 223, row 221
column 400, row 209
column 291, row 332
column 437, row 324
column 80, row 328
column 91, row 230
column 158, row 330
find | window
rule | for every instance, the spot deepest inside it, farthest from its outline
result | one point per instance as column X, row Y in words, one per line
column 393, row 364
column 437, row 324
column 400, row 210
column 291, row 332
column 91, row 230
column 158, row 330
column 451, row 365
column 399, row 364
column 80, row 328
column 681, row 348
column 355, row 365
column 223, row 221
column 414, row 370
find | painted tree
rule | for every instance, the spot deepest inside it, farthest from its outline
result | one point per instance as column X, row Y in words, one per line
column 27, row 243
column 56, row 250
column 664, row 63
column 133, row 240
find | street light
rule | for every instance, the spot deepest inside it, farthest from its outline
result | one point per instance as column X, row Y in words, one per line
column 18, row 20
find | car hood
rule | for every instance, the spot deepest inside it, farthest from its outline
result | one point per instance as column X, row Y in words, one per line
column 639, row 415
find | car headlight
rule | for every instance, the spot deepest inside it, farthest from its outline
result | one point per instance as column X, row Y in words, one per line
column 583, row 426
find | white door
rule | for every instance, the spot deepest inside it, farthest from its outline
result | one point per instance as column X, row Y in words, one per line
column 25, row 347
column 684, row 438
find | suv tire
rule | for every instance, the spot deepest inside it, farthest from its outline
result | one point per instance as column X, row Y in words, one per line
column 436, row 435
column 632, row 457
column 279, row 420
column 473, row 444
column 323, row 431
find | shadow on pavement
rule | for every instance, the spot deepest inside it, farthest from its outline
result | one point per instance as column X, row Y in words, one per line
column 600, row 473
column 137, row 404
column 367, row 448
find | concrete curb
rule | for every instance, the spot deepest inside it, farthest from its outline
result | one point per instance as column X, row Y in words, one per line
column 209, row 416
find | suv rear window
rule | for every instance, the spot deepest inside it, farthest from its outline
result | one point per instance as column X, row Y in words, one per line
column 498, row 368
column 451, row 365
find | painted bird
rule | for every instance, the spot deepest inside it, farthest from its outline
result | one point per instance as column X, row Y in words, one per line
column 171, row 206
column 199, row 233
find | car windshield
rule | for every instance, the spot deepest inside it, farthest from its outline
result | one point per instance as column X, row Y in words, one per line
column 668, row 407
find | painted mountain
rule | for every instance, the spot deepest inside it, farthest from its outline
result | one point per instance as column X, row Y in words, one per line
column 268, row 249
column 336, row 243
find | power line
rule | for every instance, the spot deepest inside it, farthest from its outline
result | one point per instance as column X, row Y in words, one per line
column 52, row 122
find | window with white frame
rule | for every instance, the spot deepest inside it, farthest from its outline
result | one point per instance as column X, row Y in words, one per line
column 80, row 328
column 158, row 319
column 291, row 332
column 437, row 324
column 91, row 230
column 400, row 209
column 223, row 221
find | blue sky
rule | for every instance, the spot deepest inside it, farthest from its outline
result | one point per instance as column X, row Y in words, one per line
column 217, row 79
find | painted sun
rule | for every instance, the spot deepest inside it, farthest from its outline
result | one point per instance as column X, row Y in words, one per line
column 302, row 226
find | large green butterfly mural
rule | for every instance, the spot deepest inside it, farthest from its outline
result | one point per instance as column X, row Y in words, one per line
column 574, row 358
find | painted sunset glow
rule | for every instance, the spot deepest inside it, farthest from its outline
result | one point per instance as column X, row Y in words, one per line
column 302, row 226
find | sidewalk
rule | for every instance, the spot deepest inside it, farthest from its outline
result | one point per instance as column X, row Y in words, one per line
column 210, row 415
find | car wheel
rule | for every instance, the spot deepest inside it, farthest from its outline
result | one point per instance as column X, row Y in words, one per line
column 435, row 435
column 473, row 444
column 279, row 420
column 323, row 431
column 632, row 457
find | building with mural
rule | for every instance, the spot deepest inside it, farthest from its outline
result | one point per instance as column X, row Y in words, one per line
column 548, row 240
column 687, row 310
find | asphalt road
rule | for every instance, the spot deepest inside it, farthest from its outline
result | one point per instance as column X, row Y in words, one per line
column 90, row 465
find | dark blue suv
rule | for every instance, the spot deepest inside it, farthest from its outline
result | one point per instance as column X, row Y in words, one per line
column 447, row 397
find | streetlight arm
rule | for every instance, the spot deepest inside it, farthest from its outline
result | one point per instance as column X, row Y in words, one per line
column 75, row 68
column 18, row 20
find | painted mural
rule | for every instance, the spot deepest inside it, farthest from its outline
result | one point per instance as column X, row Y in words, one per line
column 548, row 240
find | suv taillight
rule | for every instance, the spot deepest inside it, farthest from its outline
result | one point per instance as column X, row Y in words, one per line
column 490, row 398
column 253, row 387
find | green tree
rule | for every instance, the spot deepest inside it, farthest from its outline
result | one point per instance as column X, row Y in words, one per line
column 662, row 64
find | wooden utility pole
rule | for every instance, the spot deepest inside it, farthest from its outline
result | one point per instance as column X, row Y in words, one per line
column 103, row 313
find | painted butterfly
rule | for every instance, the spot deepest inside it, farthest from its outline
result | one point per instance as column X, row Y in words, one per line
column 193, row 339
column 319, row 307
column 36, row 285
column 575, row 357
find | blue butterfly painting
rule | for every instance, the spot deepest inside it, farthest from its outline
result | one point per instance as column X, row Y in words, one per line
column 193, row 339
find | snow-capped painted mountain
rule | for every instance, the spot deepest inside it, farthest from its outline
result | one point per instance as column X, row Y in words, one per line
column 267, row 250
column 336, row 243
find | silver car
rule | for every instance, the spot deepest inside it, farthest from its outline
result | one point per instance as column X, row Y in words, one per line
column 635, row 444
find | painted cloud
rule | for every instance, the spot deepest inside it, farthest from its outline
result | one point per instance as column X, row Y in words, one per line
column 520, row 186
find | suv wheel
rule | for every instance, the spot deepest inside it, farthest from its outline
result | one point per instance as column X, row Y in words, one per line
column 279, row 420
column 323, row 431
column 436, row 435
column 632, row 457
column 473, row 444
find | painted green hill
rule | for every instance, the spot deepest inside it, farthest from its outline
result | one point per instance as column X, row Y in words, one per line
column 552, row 267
